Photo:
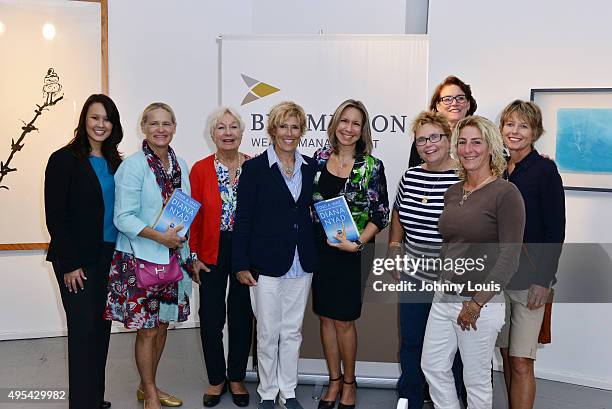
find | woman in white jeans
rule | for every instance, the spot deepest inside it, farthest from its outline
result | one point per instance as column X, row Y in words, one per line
column 482, row 228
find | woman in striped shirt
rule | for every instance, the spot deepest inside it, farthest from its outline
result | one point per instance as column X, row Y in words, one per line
column 414, row 222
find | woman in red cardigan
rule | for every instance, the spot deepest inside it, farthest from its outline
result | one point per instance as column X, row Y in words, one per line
column 214, row 181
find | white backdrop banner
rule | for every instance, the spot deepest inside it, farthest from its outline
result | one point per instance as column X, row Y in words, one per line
column 387, row 72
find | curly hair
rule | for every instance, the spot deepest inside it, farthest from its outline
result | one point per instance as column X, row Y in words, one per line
column 281, row 112
column 492, row 136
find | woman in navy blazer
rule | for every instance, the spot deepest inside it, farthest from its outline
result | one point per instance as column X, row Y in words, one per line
column 79, row 197
column 273, row 250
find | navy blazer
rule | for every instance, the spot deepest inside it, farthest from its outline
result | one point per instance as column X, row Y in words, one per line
column 269, row 224
column 540, row 184
column 74, row 211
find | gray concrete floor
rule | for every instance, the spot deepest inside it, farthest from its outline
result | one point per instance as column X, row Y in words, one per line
column 42, row 363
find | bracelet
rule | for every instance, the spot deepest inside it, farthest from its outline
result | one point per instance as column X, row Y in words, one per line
column 395, row 244
column 476, row 302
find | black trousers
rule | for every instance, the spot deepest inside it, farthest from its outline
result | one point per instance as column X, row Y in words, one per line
column 88, row 332
column 212, row 318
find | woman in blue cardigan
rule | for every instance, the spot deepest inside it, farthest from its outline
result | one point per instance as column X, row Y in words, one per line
column 144, row 183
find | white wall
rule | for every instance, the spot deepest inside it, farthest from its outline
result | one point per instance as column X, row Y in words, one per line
column 167, row 51
column 329, row 16
column 503, row 52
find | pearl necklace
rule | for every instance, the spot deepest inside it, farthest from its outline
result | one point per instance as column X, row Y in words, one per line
column 229, row 165
column 467, row 193
column 170, row 168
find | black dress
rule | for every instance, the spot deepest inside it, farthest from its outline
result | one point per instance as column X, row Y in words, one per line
column 337, row 287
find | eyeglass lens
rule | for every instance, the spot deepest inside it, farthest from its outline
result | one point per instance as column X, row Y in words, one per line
column 433, row 138
column 448, row 99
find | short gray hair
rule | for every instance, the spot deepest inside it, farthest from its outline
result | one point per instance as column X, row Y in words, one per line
column 215, row 117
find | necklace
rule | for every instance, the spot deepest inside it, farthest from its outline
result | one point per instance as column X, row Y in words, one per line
column 170, row 168
column 467, row 193
column 232, row 169
column 288, row 170
column 236, row 164
column 343, row 163
column 433, row 187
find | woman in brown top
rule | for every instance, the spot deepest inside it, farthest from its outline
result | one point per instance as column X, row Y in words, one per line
column 482, row 228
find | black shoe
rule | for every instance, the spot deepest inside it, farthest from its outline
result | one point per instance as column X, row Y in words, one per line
column 240, row 399
column 213, row 400
column 105, row 404
column 342, row 405
column 426, row 395
column 329, row 404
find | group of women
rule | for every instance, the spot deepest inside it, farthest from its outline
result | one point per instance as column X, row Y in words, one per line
column 257, row 229
column 466, row 194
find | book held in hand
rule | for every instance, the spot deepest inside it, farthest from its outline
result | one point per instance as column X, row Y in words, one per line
column 180, row 210
column 336, row 219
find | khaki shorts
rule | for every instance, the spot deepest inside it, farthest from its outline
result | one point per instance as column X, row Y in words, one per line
column 522, row 326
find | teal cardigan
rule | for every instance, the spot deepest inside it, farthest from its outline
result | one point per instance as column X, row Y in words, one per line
column 138, row 203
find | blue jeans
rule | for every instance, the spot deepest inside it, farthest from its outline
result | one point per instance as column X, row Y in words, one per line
column 413, row 321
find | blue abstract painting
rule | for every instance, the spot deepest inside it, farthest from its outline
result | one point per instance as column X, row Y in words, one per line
column 584, row 140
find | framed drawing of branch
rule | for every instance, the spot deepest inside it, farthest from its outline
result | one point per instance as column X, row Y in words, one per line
column 54, row 56
column 578, row 135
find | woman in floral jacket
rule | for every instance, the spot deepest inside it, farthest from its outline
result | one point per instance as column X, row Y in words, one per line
column 346, row 168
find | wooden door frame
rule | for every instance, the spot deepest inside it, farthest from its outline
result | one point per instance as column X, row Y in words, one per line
column 104, row 89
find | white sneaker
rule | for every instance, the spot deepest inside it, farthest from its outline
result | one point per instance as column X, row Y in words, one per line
column 402, row 403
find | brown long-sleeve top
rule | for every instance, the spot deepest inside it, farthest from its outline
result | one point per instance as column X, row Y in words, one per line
column 488, row 226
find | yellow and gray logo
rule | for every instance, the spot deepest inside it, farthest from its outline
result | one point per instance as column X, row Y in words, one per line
column 258, row 89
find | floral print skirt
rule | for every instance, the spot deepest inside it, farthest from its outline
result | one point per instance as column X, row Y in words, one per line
column 138, row 307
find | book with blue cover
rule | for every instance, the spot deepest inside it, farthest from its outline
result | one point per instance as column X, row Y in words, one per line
column 180, row 209
column 336, row 219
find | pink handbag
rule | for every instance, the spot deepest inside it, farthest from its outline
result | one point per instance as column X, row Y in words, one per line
column 150, row 274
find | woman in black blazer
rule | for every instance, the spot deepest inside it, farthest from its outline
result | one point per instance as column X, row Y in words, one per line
column 79, row 201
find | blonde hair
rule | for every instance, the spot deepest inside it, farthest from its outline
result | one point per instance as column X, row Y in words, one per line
column 364, row 144
column 434, row 118
column 152, row 107
column 492, row 137
column 527, row 111
column 281, row 112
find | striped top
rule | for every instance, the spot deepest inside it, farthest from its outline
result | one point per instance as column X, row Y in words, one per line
column 419, row 202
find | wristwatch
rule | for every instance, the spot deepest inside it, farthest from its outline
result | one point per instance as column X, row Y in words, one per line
column 359, row 244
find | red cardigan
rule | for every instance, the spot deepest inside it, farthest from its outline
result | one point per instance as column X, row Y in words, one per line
column 205, row 229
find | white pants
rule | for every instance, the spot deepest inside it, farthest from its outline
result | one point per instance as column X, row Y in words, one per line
column 278, row 305
column 442, row 338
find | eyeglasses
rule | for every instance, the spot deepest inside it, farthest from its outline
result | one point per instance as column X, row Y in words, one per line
column 447, row 100
column 433, row 138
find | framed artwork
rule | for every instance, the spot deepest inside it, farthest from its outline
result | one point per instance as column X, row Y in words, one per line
column 54, row 55
column 578, row 135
